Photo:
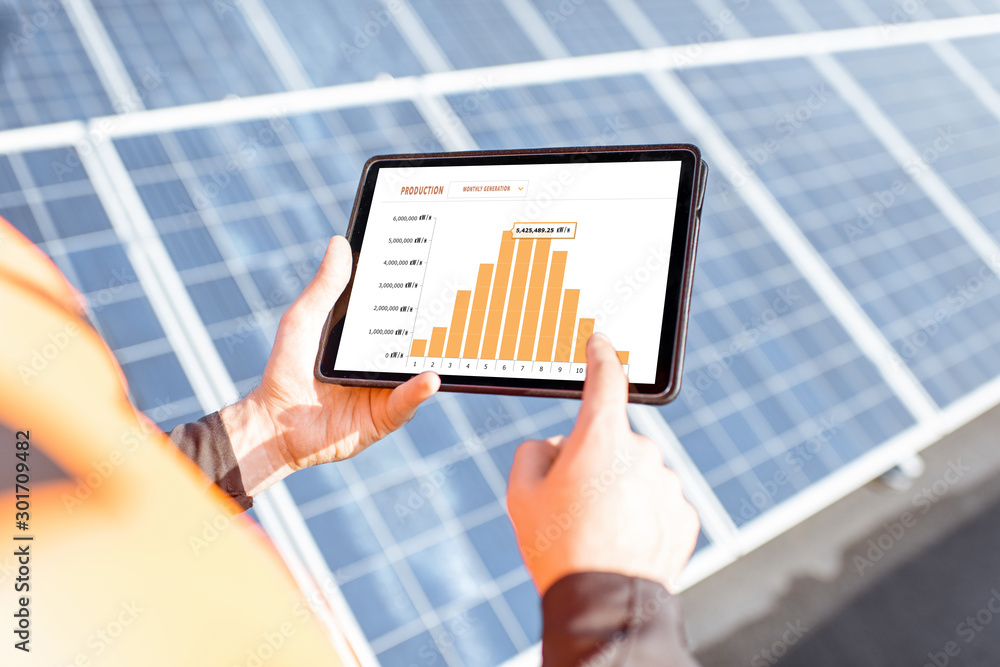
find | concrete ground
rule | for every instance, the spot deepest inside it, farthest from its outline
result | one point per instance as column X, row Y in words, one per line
column 882, row 577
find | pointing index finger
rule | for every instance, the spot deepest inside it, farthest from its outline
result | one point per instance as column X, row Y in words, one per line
column 605, row 390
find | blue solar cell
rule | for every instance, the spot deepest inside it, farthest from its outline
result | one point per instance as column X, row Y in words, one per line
column 380, row 458
column 683, row 22
column 379, row 602
column 156, row 381
column 503, row 456
column 187, row 51
column 343, row 535
column 703, row 542
column 251, row 236
column 486, row 416
column 344, row 42
column 19, row 214
column 102, row 268
column 527, row 607
column 308, row 223
column 494, row 542
column 125, row 323
column 485, row 642
column 315, row 482
column 166, row 199
column 189, row 248
column 139, row 152
column 218, row 300
column 834, row 15
column 75, row 215
column 431, row 431
column 244, row 352
column 278, row 285
column 405, row 509
column 45, row 74
column 8, row 180
column 445, row 573
column 464, row 486
column 982, row 52
column 421, row 649
column 941, row 9
column 760, row 18
column 54, row 166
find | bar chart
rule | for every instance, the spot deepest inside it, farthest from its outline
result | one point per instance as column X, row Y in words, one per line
column 508, row 270
column 520, row 319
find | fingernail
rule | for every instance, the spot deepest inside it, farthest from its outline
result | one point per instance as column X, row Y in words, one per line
column 601, row 336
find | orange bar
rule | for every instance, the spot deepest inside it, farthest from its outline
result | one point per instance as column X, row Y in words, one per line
column 495, row 316
column 478, row 311
column 457, row 330
column 564, row 344
column 583, row 334
column 419, row 347
column 533, row 305
column 437, row 342
column 547, row 336
column 623, row 357
column 516, row 299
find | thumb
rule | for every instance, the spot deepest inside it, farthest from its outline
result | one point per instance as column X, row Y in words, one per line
column 313, row 305
column 407, row 397
column 532, row 462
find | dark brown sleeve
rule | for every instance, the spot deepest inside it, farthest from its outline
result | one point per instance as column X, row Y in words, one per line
column 611, row 620
column 207, row 444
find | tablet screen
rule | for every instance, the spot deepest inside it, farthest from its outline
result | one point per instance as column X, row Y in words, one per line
column 506, row 270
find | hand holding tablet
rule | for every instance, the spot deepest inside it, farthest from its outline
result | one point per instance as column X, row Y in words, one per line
column 493, row 269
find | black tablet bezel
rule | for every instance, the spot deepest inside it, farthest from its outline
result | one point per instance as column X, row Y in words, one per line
column 690, row 195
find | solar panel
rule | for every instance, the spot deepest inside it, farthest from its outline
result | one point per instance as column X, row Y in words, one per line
column 340, row 42
column 45, row 74
column 187, row 51
column 587, row 27
column 488, row 36
column 900, row 257
column 953, row 130
column 785, row 396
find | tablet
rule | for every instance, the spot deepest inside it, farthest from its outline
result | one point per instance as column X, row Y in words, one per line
column 494, row 268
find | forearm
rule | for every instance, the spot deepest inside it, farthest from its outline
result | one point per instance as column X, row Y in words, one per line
column 207, row 444
column 237, row 448
column 611, row 619
column 256, row 446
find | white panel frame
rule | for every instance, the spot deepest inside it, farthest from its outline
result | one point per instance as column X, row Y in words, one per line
column 109, row 66
column 274, row 44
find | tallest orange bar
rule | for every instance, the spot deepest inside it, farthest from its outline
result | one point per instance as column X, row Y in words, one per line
column 533, row 304
column 495, row 315
column 515, row 302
